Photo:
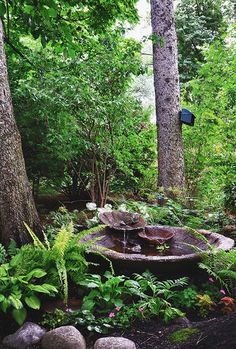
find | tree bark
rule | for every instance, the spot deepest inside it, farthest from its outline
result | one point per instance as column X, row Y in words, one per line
column 171, row 174
column 16, row 200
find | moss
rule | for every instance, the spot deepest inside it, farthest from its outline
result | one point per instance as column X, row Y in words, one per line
column 182, row 335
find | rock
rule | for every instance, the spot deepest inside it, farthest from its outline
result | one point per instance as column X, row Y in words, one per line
column 182, row 321
column 65, row 337
column 27, row 335
column 114, row 343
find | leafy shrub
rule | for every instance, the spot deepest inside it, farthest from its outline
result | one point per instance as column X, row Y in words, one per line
column 108, row 303
column 104, row 296
column 19, row 291
column 205, row 304
column 187, row 298
column 171, row 213
column 62, row 257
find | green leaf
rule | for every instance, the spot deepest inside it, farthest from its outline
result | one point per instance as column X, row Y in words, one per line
column 36, row 273
column 39, row 288
column 90, row 284
column 17, row 304
column 33, row 302
column 71, row 53
column 50, row 288
column 2, row 8
column 28, row 9
column 87, row 305
column 52, row 12
column 5, row 305
column 119, row 303
column 107, row 297
column 19, row 315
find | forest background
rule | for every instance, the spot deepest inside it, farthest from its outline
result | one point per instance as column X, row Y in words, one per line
column 85, row 129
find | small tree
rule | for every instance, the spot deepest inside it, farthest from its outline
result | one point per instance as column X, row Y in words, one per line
column 59, row 23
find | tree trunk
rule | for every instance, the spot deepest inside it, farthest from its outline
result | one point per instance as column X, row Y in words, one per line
column 16, row 200
column 166, row 81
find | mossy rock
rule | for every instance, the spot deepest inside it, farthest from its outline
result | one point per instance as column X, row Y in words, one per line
column 183, row 335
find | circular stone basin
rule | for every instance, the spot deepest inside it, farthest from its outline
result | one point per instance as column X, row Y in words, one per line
column 155, row 235
column 183, row 253
column 124, row 221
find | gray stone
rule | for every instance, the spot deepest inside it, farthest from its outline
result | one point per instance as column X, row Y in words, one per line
column 114, row 343
column 27, row 335
column 65, row 337
column 182, row 321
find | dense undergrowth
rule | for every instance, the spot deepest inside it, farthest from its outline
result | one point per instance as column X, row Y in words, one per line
column 59, row 267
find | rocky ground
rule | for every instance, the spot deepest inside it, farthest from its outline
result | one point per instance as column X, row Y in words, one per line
column 217, row 333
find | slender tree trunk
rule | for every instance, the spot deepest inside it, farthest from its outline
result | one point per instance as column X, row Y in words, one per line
column 16, row 200
column 166, row 80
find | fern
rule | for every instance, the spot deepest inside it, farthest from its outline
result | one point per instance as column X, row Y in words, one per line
column 3, row 254
column 86, row 232
column 221, row 265
column 35, row 239
column 12, row 248
column 164, row 288
column 58, row 253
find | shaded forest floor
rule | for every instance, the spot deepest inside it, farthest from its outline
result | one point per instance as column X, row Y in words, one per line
column 217, row 333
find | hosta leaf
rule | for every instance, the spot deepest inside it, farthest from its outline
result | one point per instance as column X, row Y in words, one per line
column 33, row 302
column 19, row 315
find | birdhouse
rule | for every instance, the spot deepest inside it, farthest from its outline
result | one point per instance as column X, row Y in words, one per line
column 187, row 117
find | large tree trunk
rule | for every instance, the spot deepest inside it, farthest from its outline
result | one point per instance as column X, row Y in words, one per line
column 16, row 200
column 166, row 80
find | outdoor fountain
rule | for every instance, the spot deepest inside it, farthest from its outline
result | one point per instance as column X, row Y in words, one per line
column 131, row 245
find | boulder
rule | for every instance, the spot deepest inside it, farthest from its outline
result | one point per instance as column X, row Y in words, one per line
column 114, row 343
column 65, row 337
column 27, row 335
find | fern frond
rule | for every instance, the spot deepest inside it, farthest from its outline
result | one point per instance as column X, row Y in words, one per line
column 35, row 239
column 46, row 241
column 90, row 231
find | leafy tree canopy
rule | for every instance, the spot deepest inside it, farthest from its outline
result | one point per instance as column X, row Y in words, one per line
column 198, row 22
column 63, row 22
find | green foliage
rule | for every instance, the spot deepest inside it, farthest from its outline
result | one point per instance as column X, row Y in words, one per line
column 19, row 291
column 209, row 150
column 198, row 23
column 3, row 254
column 221, row 265
column 94, row 134
column 108, row 305
column 12, row 248
column 62, row 23
column 63, row 257
column 55, row 319
column 171, row 213
column 104, row 296
column 205, row 304
column 187, row 298
column 182, row 335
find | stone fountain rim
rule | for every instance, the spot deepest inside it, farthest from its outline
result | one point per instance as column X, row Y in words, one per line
column 225, row 244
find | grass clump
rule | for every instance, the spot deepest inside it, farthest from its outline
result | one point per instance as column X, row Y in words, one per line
column 182, row 335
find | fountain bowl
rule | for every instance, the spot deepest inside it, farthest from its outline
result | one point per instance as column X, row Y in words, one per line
column 155, row 235
column 124, row 221
column 183, row 255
